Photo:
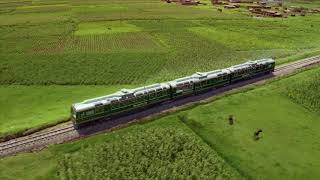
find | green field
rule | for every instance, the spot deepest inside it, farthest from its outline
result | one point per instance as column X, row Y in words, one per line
column 289, row 142
column 57, row 52
column 32, row 106
column 287, row 150
column 163, row 148
column 106, row 42
column 125, row 44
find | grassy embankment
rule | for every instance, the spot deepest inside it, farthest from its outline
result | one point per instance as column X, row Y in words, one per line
column 285, row 109
column 33, row 106
column 126, row 42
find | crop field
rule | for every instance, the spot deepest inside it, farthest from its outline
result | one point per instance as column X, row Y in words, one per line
column 129, row 43
column 152, row 153
column 286, row 150
column 289, row 120
column 306, row 92
column 168, row 35
column 57, row 52
column 131, row 153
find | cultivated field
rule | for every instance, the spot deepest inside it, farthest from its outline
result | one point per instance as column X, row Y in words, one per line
column 129, row 42
column 288, row 113
column 131, row 152
column 287, row 149
column 57, row 52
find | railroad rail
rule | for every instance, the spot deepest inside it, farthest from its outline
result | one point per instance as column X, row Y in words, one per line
column 67, row 132
column 298, row 64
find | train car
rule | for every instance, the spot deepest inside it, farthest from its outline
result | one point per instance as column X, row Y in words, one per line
column 128, row 100
column 211, row 79
column 182, row 86
column 251, row 69
column 120, row 102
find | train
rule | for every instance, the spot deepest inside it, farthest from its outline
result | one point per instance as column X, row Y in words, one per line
column 130, row 100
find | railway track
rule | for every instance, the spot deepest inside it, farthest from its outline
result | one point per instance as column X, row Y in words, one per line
column 33, row 138
column 67, row 132
column 298, row 64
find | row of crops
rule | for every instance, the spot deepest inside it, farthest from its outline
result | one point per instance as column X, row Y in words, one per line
column 152, row 153
column 49, row 48
column 306, row 91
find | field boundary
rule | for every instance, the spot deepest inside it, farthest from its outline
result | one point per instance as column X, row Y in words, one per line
column 183, row 119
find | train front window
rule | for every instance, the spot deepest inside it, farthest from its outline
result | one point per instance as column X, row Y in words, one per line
column 73, row 113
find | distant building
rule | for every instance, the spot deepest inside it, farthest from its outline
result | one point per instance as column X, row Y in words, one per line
column 189, row 2
column 240, row 1
column 229, row 6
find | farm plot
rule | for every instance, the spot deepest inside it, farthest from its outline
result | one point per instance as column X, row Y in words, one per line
column 132, row 42
column 289, row 140
column 73, row 69
column 107, row 27
column 137, row 42
column 146, row 10
column 42, row 8
column 248, row 42
column 157, row 149
column 33, row 45
column 265, row 33
column 38, row 30
column 33, row 18
column 151, row 153
column 191, row 53
column 306, row 91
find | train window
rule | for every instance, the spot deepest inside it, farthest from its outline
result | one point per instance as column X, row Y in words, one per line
column 160, row 93
column 89, row 113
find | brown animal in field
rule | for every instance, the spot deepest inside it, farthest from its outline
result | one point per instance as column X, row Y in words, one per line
column 231, row 119
column 256, row 134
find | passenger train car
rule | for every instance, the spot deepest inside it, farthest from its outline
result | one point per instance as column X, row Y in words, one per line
column 129, row 100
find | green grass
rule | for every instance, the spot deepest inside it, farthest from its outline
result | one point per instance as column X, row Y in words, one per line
column 62, row 42
column 20, row 110
column 175, row 40
column 111, row 43
column 289, row 140
column 287, row 149
column 306, row 91
column 151, row 153
column 127, row 148
column 93, row 28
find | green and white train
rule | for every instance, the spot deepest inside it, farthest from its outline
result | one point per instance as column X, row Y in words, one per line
column 129, row 100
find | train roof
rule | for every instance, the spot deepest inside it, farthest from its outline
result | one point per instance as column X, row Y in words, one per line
column 250, row 64
column 187, row 79
column 209, row 75
column 119, row 95
column 128, row 93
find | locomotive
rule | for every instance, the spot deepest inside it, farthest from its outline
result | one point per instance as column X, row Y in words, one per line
column 129, row 100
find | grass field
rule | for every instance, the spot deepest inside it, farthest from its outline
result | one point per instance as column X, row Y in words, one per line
column 47, row 42
column 287, row 149
column 20, row 110
column 66, row 161
column 127, row 43
column 289, row 140
column 56, row 52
